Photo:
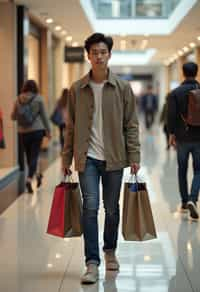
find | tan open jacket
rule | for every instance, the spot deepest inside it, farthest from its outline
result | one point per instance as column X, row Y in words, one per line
column 120, row 124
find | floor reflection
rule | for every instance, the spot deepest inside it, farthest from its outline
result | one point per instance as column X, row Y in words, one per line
column 188, row 250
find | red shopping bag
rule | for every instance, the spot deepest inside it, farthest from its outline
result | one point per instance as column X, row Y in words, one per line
column 66, row 211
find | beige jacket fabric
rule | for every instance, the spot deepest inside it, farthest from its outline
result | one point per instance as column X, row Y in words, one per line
column 120, row 124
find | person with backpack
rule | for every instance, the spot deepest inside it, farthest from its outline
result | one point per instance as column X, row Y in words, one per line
column 33, row 125
column 184, row 130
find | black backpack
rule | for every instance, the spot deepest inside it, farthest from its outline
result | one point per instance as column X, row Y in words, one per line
column 25, row 114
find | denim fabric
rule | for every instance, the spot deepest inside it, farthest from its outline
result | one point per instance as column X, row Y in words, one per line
column 32, row 142
column 183, row 152
column 89, row 183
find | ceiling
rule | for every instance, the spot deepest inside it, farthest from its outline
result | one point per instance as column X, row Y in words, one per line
column 70, row 15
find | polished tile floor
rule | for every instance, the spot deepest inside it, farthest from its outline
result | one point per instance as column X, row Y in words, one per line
column 32, row 261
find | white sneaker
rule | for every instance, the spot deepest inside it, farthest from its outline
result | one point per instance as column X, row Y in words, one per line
column 192, row 207
column 91, row 275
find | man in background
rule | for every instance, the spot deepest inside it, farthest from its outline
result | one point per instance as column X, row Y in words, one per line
column 186, row 139
column 149, row 105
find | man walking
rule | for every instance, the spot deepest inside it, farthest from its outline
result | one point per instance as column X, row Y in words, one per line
column 149, row 105
column 186, row 139
column 102, row 136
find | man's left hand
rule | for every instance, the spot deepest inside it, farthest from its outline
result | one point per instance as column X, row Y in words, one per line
column 135, row 167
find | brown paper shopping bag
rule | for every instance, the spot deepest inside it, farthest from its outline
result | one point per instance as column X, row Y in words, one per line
column 137, row 221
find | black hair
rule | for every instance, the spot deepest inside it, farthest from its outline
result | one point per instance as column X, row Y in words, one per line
column 98, row 38
column 190, row 69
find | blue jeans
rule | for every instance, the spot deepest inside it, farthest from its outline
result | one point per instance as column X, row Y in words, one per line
column 183, row 152
column 89, row 183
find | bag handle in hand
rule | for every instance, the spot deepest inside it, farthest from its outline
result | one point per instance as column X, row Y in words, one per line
column 67, row 178
column 133, row 175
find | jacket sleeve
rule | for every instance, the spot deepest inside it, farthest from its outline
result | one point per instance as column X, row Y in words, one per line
column 67, row 153
column 43, row 115
column 171, row 112
column 131, row 127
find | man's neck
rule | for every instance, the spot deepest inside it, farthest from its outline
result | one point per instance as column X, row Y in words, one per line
column 190, row 78
column 99, row 76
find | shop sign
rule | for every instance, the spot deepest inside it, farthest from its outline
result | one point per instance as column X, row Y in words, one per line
column 74, row 54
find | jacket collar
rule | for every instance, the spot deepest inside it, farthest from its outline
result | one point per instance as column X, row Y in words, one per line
column 189, row 81
column 87, row 78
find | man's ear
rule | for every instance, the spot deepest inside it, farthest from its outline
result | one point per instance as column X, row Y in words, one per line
column 88, row 56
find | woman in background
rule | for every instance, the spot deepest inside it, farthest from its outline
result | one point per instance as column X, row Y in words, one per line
column 59, row 114
column 31, row 133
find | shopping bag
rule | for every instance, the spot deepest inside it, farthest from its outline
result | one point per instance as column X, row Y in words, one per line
column 56, row 117
column 66, row 211
column 137, row 220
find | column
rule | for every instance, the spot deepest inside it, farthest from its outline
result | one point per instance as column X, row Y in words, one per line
column 8, row 77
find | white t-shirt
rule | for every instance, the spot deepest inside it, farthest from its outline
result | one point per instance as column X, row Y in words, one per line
column 96, row 145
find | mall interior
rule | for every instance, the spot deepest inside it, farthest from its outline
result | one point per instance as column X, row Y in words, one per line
column 44, row 40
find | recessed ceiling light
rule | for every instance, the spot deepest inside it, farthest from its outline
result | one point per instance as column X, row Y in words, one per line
column 58, row 256
column 49, row 20
column 198, row 38
column 75, row 44
column 68, row 38
column 147, row 258
column 180, row 53
column 58, row 27
column 185, row 49
column 192, row 45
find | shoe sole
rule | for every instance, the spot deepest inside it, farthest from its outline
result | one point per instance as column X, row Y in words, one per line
column 193, row 213
column 89, row 282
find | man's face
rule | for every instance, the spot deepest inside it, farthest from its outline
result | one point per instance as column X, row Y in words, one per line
column 99, row 56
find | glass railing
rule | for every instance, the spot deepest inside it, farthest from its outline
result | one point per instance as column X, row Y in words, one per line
column 134, row 8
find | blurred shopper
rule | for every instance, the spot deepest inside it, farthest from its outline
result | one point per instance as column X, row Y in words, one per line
column 30, row 114
column 149, row 105
column 163, row 121
column 59, row 114
column 102, row 135
column 185, row 138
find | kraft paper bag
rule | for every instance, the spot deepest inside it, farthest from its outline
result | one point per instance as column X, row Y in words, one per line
column 137, row 221
column 66, row 211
